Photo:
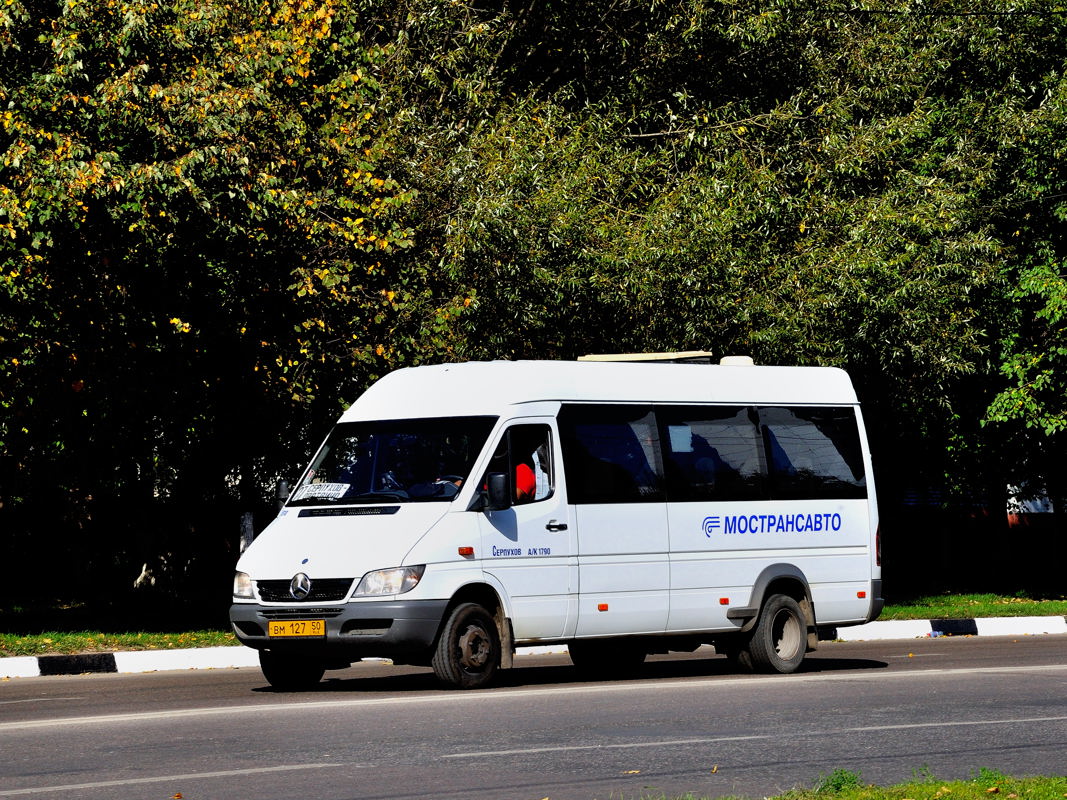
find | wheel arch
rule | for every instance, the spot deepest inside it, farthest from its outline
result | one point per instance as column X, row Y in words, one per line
column 492, row 600
column 787, row 579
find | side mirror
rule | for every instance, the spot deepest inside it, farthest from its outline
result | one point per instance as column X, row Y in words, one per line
column 498, row 493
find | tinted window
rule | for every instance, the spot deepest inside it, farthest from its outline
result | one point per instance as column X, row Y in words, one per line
column 405, row 460
column 610, row 453
column 711, row 453
column 627, row 454
column 813, row 453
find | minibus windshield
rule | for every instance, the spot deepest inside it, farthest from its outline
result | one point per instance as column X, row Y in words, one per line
column 393, row 461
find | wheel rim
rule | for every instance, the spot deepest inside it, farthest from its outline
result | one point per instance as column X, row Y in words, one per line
column 787, row 634
column 474, row 648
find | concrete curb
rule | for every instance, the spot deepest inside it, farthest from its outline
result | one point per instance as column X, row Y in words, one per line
column 228, row 657
column 920, row 629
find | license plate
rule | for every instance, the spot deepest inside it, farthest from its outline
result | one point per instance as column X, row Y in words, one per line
column 296, row 627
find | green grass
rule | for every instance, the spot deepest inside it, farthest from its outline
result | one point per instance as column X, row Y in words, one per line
column 985, row 785
column 972, row 606
column 30, row 639
column 53, row 642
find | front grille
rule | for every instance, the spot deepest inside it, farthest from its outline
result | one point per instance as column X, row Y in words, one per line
column 300, row 613
column 323, row 590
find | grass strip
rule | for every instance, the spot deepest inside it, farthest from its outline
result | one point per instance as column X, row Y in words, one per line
column 985, row 785
column 974, row 606
column 59, row 642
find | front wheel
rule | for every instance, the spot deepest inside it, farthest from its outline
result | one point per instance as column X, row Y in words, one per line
column 779, row 640
column 290, row 673
column 468, row 651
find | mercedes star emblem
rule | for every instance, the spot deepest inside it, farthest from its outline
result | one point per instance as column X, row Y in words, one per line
column 300, row 586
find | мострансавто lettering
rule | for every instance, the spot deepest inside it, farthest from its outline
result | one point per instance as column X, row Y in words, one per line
column 772, row 523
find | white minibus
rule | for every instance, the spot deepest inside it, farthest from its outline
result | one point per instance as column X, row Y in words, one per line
column 459, row 511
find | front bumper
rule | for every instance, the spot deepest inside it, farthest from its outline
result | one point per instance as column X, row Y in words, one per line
column 399, row 629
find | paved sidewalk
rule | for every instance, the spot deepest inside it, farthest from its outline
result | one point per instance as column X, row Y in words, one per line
column 227, row 657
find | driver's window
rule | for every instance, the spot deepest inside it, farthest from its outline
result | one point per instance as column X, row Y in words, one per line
column 524, row 454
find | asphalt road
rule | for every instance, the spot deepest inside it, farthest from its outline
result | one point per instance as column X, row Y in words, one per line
column 889, row 710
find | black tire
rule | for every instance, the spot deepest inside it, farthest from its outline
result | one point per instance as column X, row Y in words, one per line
column 468, row 651
column 780, row 639
column 290, row 673
column 605, row 657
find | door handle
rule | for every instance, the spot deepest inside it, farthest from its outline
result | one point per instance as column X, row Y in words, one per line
column 555, row 526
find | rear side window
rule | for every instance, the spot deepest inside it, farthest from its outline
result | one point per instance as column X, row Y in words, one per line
column 712, row 453
column 813, row 453
column 695, row 453
column 611, row 453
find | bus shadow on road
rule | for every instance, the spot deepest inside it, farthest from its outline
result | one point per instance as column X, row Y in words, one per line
column 379, row 678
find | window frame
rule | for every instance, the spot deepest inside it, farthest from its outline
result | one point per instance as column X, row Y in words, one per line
column 766, row 483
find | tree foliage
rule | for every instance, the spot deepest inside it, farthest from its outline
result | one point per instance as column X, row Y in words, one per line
column 200, row 242
column 220, row 220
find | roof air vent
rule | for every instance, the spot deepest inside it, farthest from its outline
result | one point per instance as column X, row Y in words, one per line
column 736, row 361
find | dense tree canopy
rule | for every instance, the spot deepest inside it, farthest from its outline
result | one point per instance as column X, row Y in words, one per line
column 220, row 220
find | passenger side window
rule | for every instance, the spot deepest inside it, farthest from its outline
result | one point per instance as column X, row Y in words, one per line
column 610, row 453
column 813, row 453
column 524, row 454
column 711, row 453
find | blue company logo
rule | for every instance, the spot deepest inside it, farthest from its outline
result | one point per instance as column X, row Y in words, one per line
column 772, row 523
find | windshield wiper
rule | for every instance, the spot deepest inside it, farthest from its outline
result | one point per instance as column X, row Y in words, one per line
column 379, row 496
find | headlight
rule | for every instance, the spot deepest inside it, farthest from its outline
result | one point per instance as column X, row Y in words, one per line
column 242, row 585
column 390, row 581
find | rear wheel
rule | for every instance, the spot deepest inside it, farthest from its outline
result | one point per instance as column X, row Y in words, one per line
column 290, row 673
column 779, row 640
column 468, row 652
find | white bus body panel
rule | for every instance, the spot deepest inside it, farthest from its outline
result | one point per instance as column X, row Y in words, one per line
column 717, row 548
column 508, row 388
column 623, row 565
